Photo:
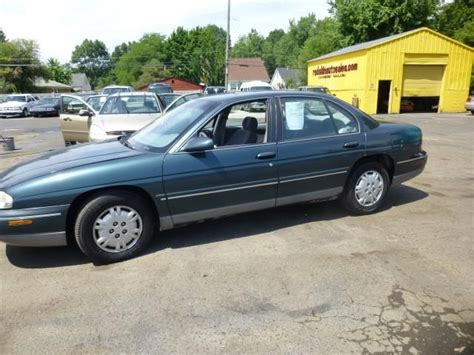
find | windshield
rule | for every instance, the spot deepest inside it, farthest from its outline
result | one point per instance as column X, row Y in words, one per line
column 111, row 91
column 49, row 101
column 18, row 98
column 96, row 102
column 167, row 99
column 159, row 134
column 160, row 89
column 135, row 104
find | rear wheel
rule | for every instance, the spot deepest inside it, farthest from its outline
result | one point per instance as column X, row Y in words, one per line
column 114, row 226
column 366, row 189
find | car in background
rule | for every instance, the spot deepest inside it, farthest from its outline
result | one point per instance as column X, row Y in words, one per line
column 213, row 90
column 114, row 89
column 167, row 98
column 17, row 105
column 407, row 105
column 319, row 89
column 160, row 88
column 96, row 101
column 123, row 114
column 470, row 104
column 46, row 106
column 255, row 85
column 183, row 99
column 201, row 161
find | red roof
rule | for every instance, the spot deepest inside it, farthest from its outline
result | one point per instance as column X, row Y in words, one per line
column 247, row 69
column 176, row 84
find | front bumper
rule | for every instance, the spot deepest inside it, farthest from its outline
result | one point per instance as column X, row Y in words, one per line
column 11, row 113
column 47, row 227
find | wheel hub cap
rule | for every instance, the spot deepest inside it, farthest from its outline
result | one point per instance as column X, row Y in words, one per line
column 117, row 229
column 369, row 188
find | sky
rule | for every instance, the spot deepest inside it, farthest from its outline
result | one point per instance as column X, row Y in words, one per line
column 58, row 26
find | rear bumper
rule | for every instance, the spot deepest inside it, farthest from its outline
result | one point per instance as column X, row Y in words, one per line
column 46, row 226
column 408, row 169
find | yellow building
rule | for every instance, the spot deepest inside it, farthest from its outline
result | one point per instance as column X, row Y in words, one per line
column 419, row 70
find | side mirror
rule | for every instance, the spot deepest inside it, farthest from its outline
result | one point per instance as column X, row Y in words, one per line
column 198, row 145
column 85, row 113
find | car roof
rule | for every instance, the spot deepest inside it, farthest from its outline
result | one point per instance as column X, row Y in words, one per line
column 116, row 87
column 133, row 93
column 256, row 95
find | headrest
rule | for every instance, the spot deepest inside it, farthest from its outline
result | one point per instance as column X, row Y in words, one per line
column 250, row 124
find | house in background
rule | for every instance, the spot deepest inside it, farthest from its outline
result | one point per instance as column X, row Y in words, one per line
column 177, row 85
column 51, row 86
column 80, row 83
column 242, row 70
column 286, row 78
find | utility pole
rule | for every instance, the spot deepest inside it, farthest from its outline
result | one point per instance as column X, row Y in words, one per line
column 227, row 47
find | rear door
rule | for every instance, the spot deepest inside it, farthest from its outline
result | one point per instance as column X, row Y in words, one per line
column 318, row 144
column 75, row 128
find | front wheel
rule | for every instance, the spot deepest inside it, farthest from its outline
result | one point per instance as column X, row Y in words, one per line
column 366, row 189
column 114, row 226
column 25, row 112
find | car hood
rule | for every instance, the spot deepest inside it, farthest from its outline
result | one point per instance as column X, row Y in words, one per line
column 64, row 159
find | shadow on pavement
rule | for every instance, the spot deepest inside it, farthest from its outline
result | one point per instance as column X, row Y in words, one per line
column 240, row 226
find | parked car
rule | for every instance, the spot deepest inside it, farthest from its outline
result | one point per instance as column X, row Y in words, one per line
column 167, row 98
column 160, row 88
column 17, row 105
column 321, row 89
column 212, row 90
column 407, row 105
column 183, row 99
column 198, row 162
column 46, row 106
column 470, row 104
column 115, row 89
column 255, row 86
column 96, row 101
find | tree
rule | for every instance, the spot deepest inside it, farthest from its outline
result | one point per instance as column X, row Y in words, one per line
column 129, row 67
column 248, row 46
column 23, row 66
column 456, row 19
column 365, row 20
column 152, row 71
column 3, row 38
column 58, row 72
column 92, row 58
column 268, row 55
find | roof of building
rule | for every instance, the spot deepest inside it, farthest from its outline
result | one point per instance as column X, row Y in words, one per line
column 289, row 73
column 80, row 81
column 376, row 42
column 245, row 69
column 50, row 84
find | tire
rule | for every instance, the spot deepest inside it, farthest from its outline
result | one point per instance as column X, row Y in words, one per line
column 356, row 189
column 115, row 211
column 25, row 112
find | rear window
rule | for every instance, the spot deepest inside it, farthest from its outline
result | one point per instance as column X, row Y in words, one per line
column 136, row 104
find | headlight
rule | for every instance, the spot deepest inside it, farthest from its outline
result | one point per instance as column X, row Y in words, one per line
column 6, row 201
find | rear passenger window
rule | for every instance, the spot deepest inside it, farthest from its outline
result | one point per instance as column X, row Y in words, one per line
column 306, row 118
column 343, row 121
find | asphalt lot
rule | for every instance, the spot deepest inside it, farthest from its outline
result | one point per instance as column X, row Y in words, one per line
column 305, row 278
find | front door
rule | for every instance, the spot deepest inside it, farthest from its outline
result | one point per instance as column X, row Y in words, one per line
column 238, row 175
column 383, row 97
column 319, row 143
column 75, row 128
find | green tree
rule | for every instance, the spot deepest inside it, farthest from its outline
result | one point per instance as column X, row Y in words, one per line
column 269, row 56
column 23, row 66
column 248, row 46
column 92, row 58
column 365, row 20
column 59, row 72
column 129, row 67
column 456, row 19
column 3, row 38
column 152, row 71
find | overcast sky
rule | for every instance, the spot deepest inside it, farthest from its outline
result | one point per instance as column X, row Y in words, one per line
column 58, row 25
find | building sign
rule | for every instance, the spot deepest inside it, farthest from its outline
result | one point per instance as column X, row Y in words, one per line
column 334, row 71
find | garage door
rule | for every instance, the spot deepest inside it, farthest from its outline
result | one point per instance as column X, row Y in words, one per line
column 422, row 80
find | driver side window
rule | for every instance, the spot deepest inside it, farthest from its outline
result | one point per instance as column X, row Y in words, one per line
column 239, row 124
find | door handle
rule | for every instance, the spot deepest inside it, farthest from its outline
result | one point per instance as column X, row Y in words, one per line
column 351, row 145
column 67, row 119
column 266, row 155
